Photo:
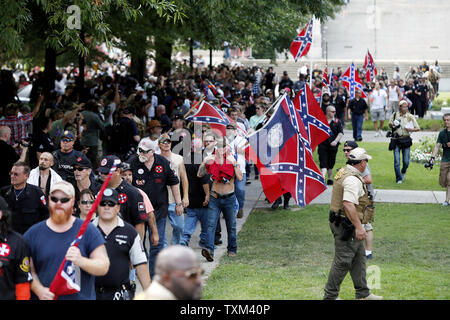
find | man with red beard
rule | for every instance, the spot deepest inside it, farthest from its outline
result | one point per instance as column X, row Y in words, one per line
column 50, row 241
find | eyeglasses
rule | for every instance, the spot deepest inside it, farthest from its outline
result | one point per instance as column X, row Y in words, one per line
column 143, row 151
column 107, row 203
column 62, row 200
column 347, row 150
column 86, row 201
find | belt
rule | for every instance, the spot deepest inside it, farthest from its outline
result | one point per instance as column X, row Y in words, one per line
column 222, row 196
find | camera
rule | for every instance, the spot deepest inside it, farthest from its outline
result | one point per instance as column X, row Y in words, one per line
column 429, row 164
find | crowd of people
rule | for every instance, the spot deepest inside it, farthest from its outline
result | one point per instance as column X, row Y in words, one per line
column 61, row 147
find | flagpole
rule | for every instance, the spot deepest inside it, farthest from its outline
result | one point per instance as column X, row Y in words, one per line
column 311, row 59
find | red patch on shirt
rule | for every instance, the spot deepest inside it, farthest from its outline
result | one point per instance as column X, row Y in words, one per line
column 122, row 198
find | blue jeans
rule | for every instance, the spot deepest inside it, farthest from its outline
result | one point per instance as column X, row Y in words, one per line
column 239, row 188
column 193, row 215
column 405, row 159
column 154, row 250
column 177, row 223
column 228, row 208
column 357, row 122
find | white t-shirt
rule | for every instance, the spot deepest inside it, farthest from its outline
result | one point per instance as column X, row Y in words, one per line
column 378, row 99
column 175, row 163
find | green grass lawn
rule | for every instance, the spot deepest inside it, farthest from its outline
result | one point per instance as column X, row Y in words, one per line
column 382, row 167
column 288, row 254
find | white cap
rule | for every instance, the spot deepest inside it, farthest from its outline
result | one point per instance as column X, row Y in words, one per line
column 65, row 187
column 359, row 154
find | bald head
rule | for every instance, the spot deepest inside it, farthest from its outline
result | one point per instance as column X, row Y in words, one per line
column 178, row 269
column 5, row 133
column 175, row 258
column 45, row 161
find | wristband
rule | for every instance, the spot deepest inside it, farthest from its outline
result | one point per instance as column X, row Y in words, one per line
column 179, row 204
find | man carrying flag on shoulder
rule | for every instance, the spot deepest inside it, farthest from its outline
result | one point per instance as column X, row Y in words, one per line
column 51, row 241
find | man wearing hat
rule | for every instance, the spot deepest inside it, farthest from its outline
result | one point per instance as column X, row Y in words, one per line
column 179, row 134
column 403, row 124
column 367, row 178
column 82, row 170
column 132, row 208
column 124, row 248
column 50, row 241
column 350, row 208
column 65, row 157
column 152, row 173
column 154, row 129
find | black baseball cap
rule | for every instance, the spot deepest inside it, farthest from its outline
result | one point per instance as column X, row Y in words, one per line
column 82, row 161
column 107, row 162
column 110, row 195
column 351, row 144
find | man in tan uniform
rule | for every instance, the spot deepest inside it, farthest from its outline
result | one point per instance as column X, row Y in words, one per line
column 350, row 208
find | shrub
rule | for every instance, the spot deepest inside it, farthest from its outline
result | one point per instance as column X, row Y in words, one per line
column 423, row 149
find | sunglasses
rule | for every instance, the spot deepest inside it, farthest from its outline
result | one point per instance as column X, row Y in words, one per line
column 66, row 140
column 143, row 151
column 208, row 141
column 62, row 200
column 86, row 201
column 166, row 142
column 107, row 203
column 347, row 150
column 79, row 168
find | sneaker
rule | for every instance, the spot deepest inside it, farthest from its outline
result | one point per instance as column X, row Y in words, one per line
column 399, row 182
column 380, row 132
column 207, row 255
column 372, row 297
column 377, row 134
column 217, row 242
column 369, row 257
column 231, row 254
column 248, row 181
column 445, row 204
column 240, row 213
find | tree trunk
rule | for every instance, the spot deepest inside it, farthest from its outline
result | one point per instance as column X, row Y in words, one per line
column 138, row 67
column 80, row 79
column 191, row 54
column 163, row 56
column 210, row 59
column 49, row 71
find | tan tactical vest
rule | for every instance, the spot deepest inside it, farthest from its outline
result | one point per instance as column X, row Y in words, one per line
column 365, row 207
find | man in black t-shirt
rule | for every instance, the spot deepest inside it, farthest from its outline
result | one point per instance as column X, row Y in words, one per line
column 66, row 156
column 132, row 209
column 124, row 248
column 15, row 276
column 152, row 174
column 198, row 203
column 359, row 110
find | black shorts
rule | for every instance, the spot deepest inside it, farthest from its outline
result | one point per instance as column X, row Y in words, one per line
column 327, row 156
